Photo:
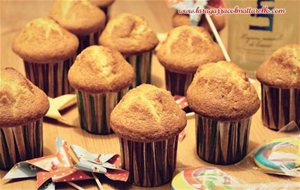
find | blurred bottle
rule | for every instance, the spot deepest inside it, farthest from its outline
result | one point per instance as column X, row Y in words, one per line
column 253, row 38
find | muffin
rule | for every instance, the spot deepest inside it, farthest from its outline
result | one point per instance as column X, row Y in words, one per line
column 184, row 50
column 148, row 121
column 104, row 5
column 280, row 87
column 22, row 107
column 223, row 100
column 131, row 35
column 48, row 51
column 101, row 76
column 81, row 18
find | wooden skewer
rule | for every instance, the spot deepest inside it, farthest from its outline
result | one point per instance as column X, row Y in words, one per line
column 100, row 187
column 218, row 38
column 190, row 115
column 75, row 186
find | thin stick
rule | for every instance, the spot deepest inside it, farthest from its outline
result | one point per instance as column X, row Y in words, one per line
column 190, row 115
column 98, row 182
column 75, row 186
column 218, row 38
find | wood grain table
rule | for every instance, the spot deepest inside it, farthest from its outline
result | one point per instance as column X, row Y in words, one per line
column 14, row 14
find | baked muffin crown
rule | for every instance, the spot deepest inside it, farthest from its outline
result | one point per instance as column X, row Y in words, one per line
column 186, row 48
column 102, row 3
column 129, row 34
column 80, row 17
column 147, row 114
column 100, row 69
column 282, row 68
column 43, row 41
column 222, row 91
column 20, row 101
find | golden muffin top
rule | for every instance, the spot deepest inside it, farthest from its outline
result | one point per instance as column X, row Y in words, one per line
column 147, row 114
column 222, row 91
column 186, row 48
column 282, row 69
column 129, row 34
column 80, row 17
column 44, row 41
column 21, row 102
column 100, row 69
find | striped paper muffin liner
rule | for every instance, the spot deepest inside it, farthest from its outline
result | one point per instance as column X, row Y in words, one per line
column 88, row 40
column 279, row 106
column 94, row 110
column 51, row 78
column 141, row 64
column 222, row 142
column 177, row 83
column 20, row 143
column 149, row 164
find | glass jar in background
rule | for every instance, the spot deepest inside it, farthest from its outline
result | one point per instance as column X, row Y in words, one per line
column 253, row 38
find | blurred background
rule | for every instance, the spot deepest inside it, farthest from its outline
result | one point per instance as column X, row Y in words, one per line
column 16, row 13
column 246, row 47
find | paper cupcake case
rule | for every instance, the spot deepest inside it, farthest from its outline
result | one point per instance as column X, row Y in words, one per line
column 106, row 11
column 221, row 142
column 141, row 64
column 177, row 83
column 88, row 40
column 52, row 78
column 94, row 110
column 149, row 164
column 280, row 106
column 20, row 143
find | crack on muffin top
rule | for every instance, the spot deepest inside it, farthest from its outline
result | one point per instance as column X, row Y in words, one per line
column 186, row 48
column 80, row 17
column 128, row 26
column 44, row 41
column 20, row 100
column 146, row 114
column 222, row 91
column 129, row 34
column 282, row 68
column 100, row 69
column 65, row 10
column 48, row 28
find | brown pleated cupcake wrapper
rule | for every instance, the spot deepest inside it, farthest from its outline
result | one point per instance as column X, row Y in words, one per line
column 141, row 64
column 279, row 106
column 51, row 78
column 107, row 12
column 94, row 110
column 88, row 40
column 20, row 143
column 177, row 83
column 222, row 142
column 149, row 164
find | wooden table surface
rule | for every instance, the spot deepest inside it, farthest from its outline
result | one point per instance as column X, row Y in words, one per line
column 15, row 14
